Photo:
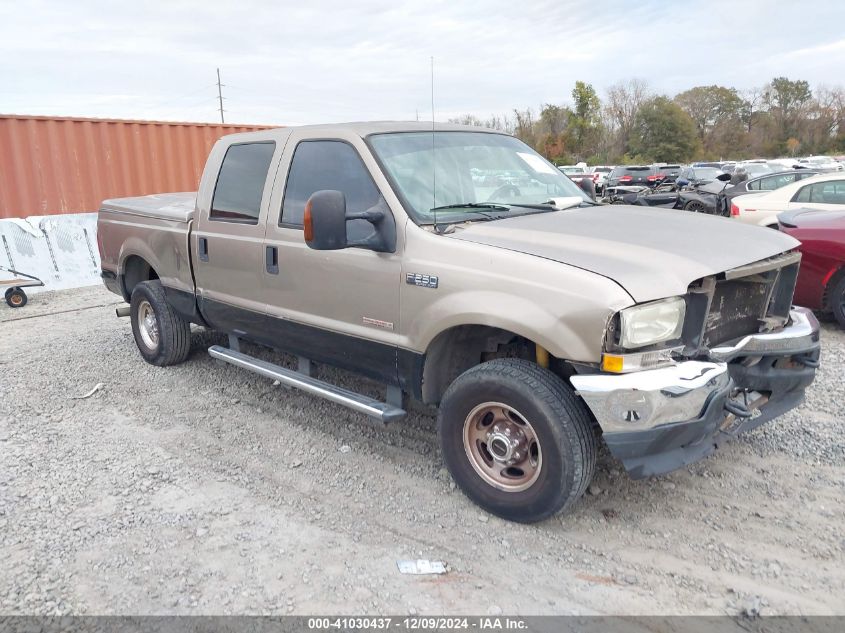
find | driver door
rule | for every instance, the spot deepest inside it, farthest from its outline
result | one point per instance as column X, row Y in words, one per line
column 340, row 307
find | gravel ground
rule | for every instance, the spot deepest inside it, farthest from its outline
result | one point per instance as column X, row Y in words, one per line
column 203, row 489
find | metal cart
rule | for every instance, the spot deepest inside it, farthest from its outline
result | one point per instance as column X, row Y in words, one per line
column 15, row 296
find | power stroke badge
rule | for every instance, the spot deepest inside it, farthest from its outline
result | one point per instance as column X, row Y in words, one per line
column 418, row 279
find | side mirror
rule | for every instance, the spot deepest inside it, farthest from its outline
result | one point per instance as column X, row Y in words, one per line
column 325, row 228
column 723, row 177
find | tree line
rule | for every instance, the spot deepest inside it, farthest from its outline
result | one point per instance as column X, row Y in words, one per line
column 632, row 124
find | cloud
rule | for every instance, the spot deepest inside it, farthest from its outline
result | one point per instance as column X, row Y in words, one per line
column 327, row 60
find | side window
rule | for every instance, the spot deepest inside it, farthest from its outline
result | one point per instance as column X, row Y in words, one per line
column 318, row 165
column 835, row 194
column 755, row 185
column 803, row 194
column 240, row 183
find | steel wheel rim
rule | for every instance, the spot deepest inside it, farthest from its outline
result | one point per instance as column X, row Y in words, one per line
column 502, row 447
column 148, row 324
column 16, row 299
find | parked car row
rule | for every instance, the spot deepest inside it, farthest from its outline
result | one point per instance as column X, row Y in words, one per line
column 822, row 192
column 806, row 203
column 697, row 173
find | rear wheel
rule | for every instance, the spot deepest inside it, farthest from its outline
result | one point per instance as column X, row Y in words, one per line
column 516, row 439
column 16, row 298
column 837, row 300
column 695, row 206
column 162, row 336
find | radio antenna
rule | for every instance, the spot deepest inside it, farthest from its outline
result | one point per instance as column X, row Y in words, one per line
column 433, row 155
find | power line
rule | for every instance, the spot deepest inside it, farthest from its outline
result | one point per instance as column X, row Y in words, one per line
column 172, row 100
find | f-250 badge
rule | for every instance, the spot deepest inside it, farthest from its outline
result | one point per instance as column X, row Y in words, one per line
column 417, row 279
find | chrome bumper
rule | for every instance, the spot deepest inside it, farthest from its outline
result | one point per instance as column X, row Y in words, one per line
column 680, row 393
column 801, row 335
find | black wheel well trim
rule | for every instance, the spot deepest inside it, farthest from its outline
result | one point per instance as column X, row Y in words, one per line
column 135, row 269
column 459, row 348
column 835, row 278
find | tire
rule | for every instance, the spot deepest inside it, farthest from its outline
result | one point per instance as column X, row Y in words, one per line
column 526, row 399
column 16, row 298
column 162, row 336
column 836, row 300
column 695, row 206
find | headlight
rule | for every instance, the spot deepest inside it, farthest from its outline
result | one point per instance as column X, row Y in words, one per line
column 652, row 323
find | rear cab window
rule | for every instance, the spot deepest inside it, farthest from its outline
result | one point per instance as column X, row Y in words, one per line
column 240, row 183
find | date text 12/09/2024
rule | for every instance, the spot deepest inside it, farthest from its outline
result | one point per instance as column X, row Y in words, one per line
column 417, row 623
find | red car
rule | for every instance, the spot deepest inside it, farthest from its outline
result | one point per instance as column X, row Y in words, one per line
column 821, row 279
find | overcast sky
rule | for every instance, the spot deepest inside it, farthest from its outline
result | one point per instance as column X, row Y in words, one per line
column 315, row 61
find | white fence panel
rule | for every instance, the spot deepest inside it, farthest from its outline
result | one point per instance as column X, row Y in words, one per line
column 61, row 250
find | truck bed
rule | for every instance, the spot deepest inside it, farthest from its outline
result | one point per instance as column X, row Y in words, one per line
column 178, row 207
column 154, row 229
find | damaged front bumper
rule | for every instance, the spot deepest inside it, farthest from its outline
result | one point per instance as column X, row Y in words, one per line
column 659, row 420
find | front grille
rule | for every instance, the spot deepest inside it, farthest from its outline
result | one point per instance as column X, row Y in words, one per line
column 737, row 309
column 750, row 304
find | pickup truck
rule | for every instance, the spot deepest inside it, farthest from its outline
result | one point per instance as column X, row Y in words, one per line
column 539, row 322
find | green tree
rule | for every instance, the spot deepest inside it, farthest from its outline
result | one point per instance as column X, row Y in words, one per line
column 662, row 131
column 584, row 127
column 717, row 112
column 787, row 103
column 587, row 104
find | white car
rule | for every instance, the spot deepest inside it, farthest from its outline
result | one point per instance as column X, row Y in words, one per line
column 824, row 192
column 600, row 173
column 822, row 163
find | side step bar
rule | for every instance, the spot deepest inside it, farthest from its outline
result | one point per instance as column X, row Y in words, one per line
column 357, row 402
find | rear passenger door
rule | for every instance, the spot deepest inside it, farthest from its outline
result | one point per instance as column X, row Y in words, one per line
column 227, row 243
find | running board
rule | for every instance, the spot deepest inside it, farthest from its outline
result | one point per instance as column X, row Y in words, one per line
column 357, row 402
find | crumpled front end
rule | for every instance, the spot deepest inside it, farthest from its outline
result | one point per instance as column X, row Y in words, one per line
column 726, row 383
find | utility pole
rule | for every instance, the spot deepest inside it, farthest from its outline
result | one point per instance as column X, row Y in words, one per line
column 220, row 95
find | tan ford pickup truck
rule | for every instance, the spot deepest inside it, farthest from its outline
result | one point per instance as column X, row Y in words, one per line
column 458, row 267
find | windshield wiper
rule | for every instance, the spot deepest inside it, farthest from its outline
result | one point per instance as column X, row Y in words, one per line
column 550, row 206
column 473, row 205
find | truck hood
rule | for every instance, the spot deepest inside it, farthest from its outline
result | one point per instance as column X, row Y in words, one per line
column 651, row 252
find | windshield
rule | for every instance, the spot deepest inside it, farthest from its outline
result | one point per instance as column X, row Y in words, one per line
column 463, row 170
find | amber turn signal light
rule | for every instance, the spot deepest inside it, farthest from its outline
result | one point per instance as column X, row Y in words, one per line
column 612, row 363
column 307, row 223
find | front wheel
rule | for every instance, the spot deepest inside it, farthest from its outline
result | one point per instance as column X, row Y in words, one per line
column 695, row 206
column 516, row 439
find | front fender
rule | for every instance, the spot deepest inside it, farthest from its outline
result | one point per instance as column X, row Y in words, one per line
column 572, row 336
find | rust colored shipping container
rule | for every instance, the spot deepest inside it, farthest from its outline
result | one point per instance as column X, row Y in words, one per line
column 52, row 165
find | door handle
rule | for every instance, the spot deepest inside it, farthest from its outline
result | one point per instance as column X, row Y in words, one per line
column 271, row 260
column 203, row 249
